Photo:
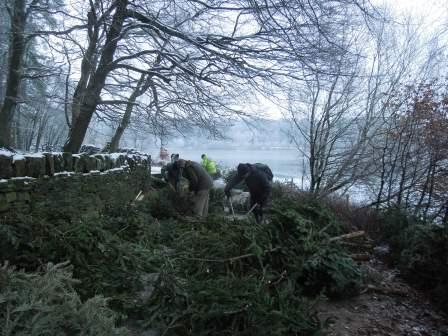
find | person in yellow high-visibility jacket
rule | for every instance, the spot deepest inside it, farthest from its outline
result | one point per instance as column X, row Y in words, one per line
column 209, row 165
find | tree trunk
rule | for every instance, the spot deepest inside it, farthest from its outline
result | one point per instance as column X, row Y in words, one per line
column 404, row 160
column 424, row 188
column 3, row 68
column 383, row 174
column 430, row 191
column 31, row 133
column 114, row 143
column 40, row 131
column 18, row 131
column 88, row 63
column 445, row 217
column 15, row 64
column 96, row 84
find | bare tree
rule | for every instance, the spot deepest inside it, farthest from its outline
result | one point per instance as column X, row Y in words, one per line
column 140, row 88
column 15, row 61
column 206, row 46
column 209, row 53
column 337, row 118
column 4, row 45
column 413, row 169
column 98, row 78
column 332, row 138
column 24, row 65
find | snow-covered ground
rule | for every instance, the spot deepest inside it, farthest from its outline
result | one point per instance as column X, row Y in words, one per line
column 156, row 170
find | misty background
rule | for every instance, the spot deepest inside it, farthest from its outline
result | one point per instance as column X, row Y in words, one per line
column 261, row 140
column 339, row 95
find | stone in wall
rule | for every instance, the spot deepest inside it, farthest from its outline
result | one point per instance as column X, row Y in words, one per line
column 68, row 161
column 109, row 163
column 15, row 195
column 18, row 166
column 11, row 196
column 79, row 163
column 5, row 166
column 91, row 163
column 38, row 165
column 130, row 161
column 4, row 188
column 34, row 166
column 100, row 162
column 87, row 191
column 4, row 205
column 49, row 164
column 58, row 161
column 120, row 161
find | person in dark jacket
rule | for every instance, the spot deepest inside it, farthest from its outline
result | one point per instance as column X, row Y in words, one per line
column 199, row 182
column 258, row 178
column 174, row 157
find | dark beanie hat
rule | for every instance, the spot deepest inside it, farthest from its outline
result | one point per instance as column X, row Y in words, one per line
column 243, row 168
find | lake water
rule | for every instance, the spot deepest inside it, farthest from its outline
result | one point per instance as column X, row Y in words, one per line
column 285, row 163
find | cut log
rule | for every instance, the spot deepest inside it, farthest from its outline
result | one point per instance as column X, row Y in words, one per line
column 348, row 235
column 360, row 257
column 361, row 245
column 140, row 196
column 387, row 290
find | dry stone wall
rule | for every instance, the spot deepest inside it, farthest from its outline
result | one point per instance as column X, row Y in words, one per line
column 92, row 180
column 49, row 164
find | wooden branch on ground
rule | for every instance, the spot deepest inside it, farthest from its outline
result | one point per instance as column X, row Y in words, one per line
column 367, row 246
column 140, row 196
column 360, row 256
column 232, row 259
column 386, row 290
column 348, row 235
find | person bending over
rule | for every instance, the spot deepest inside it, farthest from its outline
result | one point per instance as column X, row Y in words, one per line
column 199, row 183
column 258, row 178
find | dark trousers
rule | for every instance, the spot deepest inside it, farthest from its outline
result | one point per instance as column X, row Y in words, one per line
column 261, row 201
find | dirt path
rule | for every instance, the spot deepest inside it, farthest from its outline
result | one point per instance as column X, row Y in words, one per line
column 387, row 306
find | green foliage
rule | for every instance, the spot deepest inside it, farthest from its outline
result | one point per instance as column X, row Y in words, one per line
column 230, row 278
column 108, row 250
column 164, row 202
column 420, row 250
column 236, row 278
column 47, row 304
column 306, row 208
column 332, row 270
column 235, row 306
column 161, row 203
column 307, row 224
column 193, row 277
column 217, row 201
column 395, row 229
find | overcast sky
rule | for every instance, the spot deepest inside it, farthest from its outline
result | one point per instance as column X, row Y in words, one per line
column 431, row 14
column 431, row 10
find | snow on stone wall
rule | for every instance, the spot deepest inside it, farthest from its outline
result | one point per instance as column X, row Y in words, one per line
column 48, row 164
column 27, row 180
